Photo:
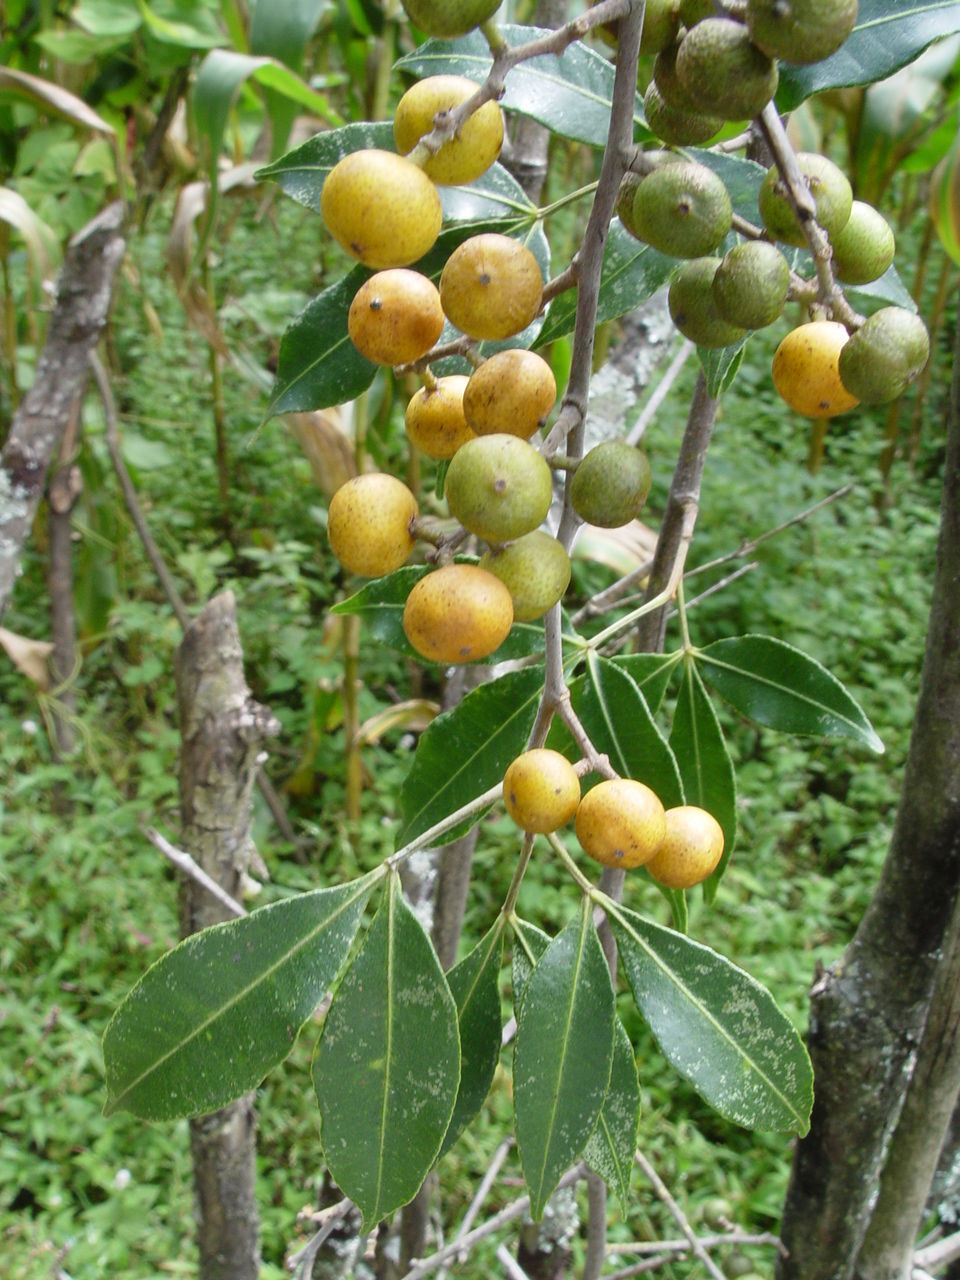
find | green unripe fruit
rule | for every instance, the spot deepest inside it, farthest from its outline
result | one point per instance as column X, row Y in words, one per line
column 667, row 80
column 694, row 11
column 693, row 310
column 535, row 570
column 661, row 22
column 724, row 72
column 831, row 192
column 675, row 125
column 449, row 17
column 682, row 209
column 800, row 31
column 864, row 249
column 751, row 284
column 610, row 485
column 498, row 487
column 884, row 356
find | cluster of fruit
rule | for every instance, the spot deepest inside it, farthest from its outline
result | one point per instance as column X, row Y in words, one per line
column 619, row 822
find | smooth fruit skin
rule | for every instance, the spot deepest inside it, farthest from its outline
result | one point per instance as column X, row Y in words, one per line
column 620, row 823
column 395, row 317
column 661, row 22
column 691, row 849
column 535, row 569
column 800, row 31
column 541, row 791
column 459, row 613
column 368, row 524
column 449, row 17
column 682, row 209
column 434, row 418
column 611, row 484
column 475, row 147
column 491, row 287
column 498, row 487
column 806, row 371
column 724, row 72
column 381, row 208
column 680, row 126
column 864, row 249
column 751, row 284
column 512, row 392
column 693, row 310
column 831, row 192
column 885, row 355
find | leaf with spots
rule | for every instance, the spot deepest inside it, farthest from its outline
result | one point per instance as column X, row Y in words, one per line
column 613, row 1142
column 530, row 944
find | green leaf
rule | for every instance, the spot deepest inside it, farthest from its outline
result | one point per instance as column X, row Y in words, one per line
column 564, row 1050
column 77, row 47
column 473, row 984
column 387, row 1064
column 742, row 179
column 889, row 290
column 106, row 17
column 720, row 365
column 467, row 750
column 888, row 34
column 613, row 1143
column 570, row 94
column 530, row 944
column 718, row 1026
column 778, row 686
column 212, row 1017
column 705, row 764
column 281, row 29
column 650, row 672
column 631, row 273
column 183, row 34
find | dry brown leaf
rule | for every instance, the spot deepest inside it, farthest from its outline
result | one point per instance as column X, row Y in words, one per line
column 28, row 656
column 326, row 446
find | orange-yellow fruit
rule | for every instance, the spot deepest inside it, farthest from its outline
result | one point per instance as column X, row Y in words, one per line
column 435, row 421
column 368, row 524
column 459, row 613
column 691, row 849
column 471, row 151
column 806, row 372
column 491, row 286
column 620, row 823
column 541, row 790
column 381, row 208
column 395, row 317
column 512, row 393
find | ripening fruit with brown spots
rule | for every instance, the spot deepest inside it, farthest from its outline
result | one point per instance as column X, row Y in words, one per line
column 498, row 487
column 395, row 317
column 491, row 286
column 541, row 790
column 620, row 823
column 368, row 524
column 806, row 370
column 434, row 419
column 691, row 849
column 459, row 613
column 511, row 392
column 471, row 151
column 381, row 208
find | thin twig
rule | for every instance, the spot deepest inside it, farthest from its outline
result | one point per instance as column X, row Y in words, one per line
column 596, row 1227
column 601, row 602
column 662, row 390
column 432, row 834
column 717, row 1240
column 486, row 1182
column 641, row 1268
column 189, row 866
column 679, row 1216
column 302, row 1262
column 934, row 1256
column 511, row 1267
column 717, row 586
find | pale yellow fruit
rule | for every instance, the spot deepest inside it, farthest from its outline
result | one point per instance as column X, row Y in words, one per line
column 691, row 849
column 368, row 524
column 381, row 208
column 620, row 823
column 511, row 392
column 395, row 317
column 491, row 286
column 459, row 613
column 541, row 790
column 806, row 370
column 471, row 151
column 434, row 419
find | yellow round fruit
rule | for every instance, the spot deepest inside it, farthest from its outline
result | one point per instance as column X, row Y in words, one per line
column 620, row 823
column 395, row 317
column 511, row 393
column 381, row 208
column 691, row 849
column 459, row 613
column 806, row 372
column 541, row 790
column 435, row 421
column 491, row 287
column 368, row 524
column 471, row 151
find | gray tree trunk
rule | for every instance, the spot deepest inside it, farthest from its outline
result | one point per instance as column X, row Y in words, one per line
column 868, row 1010
column 222, row 729
column 66, row 485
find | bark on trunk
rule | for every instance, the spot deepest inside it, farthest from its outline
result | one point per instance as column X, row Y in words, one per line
column 221, row 729
column 83, row 302
column 868, row 1010
column 65, row 488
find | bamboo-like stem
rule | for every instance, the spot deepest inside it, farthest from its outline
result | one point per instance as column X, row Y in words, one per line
column 219, row 409
column 351, row 720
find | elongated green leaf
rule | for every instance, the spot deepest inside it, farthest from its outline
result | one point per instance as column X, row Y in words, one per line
column 198, row 34
column 888, row 34
column 945, row 201
column 720, row 365
column 570, row 94
column 777, row 685
column 704, row 762
column 467, row 750
column 387, row 1064
column 611, row 1147
column 650, row 672
column 888, row 290
column 280, row 29
column 718, row 1026
column 209, row 1020
column 473, row 984
column 106, row 17
column 741, row 177
column 561, row 1066
column 530, row 944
